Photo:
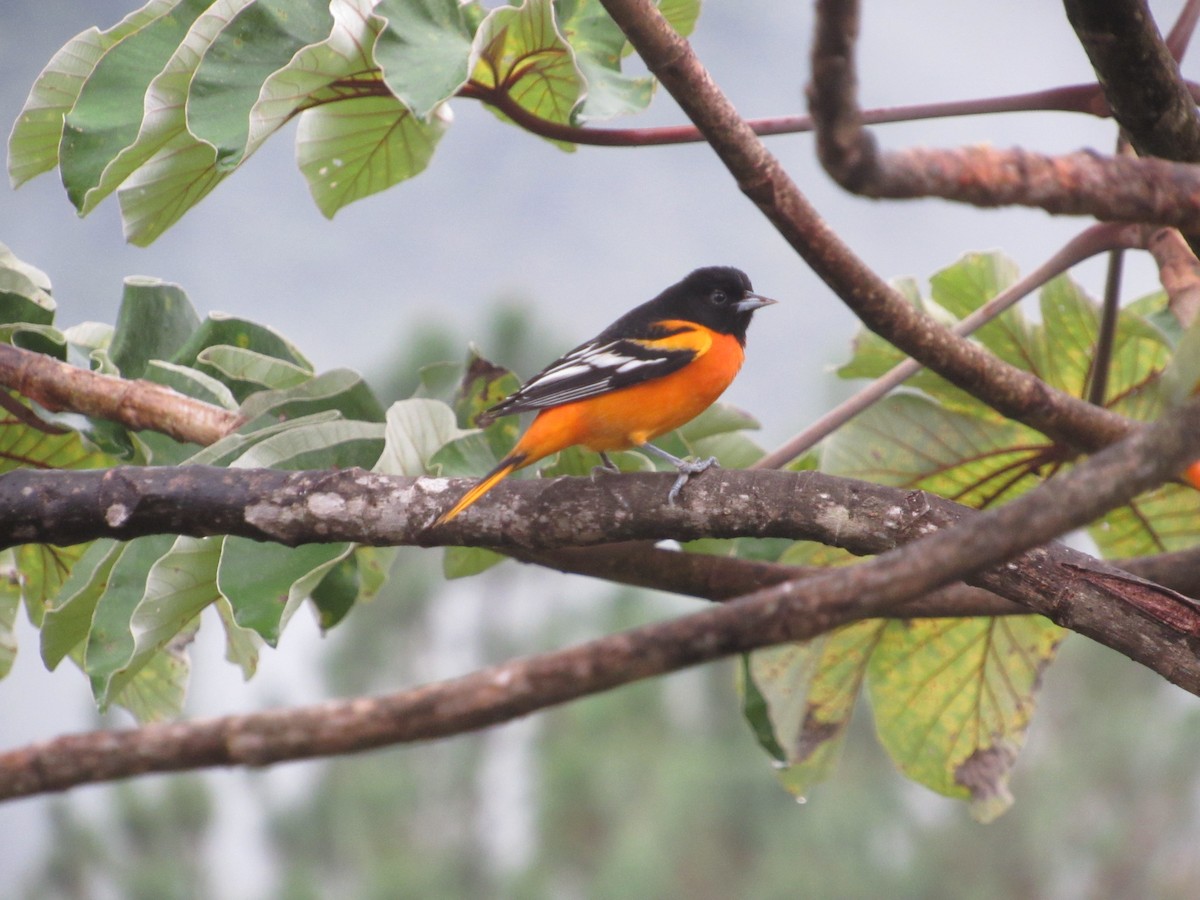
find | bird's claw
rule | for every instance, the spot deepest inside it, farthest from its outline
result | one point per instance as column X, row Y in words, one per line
column 606, row 467
column 687, row 468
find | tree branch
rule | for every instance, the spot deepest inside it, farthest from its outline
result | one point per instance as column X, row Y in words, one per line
column 135, row 403
column 1148, row 623
column 1110, row 188
column 1140, row 77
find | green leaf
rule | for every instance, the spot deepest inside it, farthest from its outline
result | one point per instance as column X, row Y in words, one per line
column 241, row 644
column 356, row 579
column 158, row 690
column 463, row 562
column 246, row 372
column 230, row 447
column 334, row 597
column 470, row 455
column 1159, row 521
column 358, row 147
column 720, row 418
column 953, row 698
column 599, row 45
column 154, row 322
column 682, row 14
column 733, row 451
column 22, row 446
column 167, row 170
column 328, row 445
column 339, row 390
column 221, row 329
column 44, row 568
column 24, row 292
column 519, row 51
column 68, row 617
column 190, row 382
column 33, row 144
column 424, row 51
column 111, row 643
column 179, row 582
column 1181, row 379
column 265, row 583
column 10, row 602
column 416, row 430
column 228, row 81
column 108, row 113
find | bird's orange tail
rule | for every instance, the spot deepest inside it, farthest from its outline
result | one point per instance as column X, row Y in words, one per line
column 507, row 466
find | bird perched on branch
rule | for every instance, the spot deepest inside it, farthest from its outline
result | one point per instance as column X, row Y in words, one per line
column 655, row 368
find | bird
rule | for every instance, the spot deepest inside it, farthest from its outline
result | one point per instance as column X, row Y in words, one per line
column 655, row 368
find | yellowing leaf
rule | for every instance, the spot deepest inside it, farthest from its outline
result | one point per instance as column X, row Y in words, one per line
column 953, row 698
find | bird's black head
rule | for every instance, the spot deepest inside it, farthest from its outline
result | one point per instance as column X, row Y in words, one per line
column 719, row 297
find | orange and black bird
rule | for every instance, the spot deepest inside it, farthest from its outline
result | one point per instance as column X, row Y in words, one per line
column 655, row 368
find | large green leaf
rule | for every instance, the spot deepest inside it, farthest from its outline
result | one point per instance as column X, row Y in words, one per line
column 340, row 390
column 416, row 429
column 23, row 446
column 246, row 372
column 424, row 51
column 130, row 627
column 111, row 643
column 908, row 440
column 338, row 444
column 154, row 322
column 108, row 113
column 67, row 617
column 33, row 144
column 228, row 81
column 166, row 170
column 358, row 147
column 156, row 693
column 241, row 644
column 266, row 583
column 44, row 568
column 220, row 329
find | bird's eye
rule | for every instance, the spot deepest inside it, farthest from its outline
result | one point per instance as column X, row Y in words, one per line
column 719, row 296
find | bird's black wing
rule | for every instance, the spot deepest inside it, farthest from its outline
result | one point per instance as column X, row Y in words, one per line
column 600, row 366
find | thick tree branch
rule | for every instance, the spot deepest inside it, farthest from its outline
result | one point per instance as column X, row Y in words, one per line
column 1016, row 394
column 1141, row 79
column 1148, row 623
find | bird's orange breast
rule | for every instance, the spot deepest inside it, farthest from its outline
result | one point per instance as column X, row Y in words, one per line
column 631, row 416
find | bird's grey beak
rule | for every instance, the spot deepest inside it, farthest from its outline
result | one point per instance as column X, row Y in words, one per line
column 751, row 302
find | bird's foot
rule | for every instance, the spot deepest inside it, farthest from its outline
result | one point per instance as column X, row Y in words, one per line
column 687, row 468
